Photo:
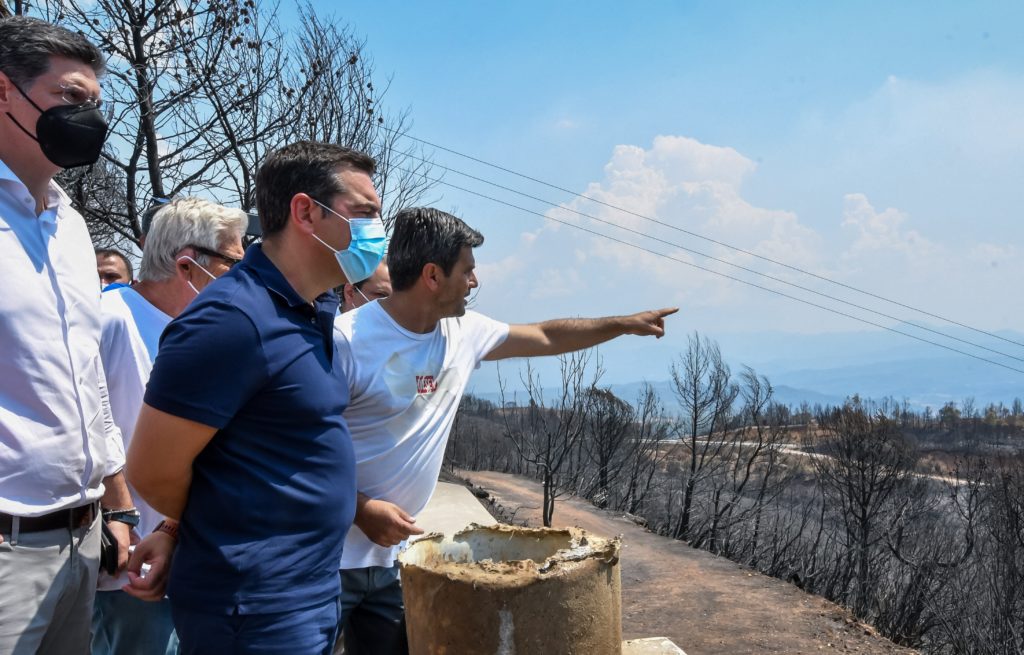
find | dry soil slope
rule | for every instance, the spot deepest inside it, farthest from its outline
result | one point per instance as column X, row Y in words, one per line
column 706, row 604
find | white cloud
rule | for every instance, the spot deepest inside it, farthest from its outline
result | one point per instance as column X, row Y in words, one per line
column 883, row 230
column 689, row 188
column 948, row 153
column 685, row 159
column 685, row 186
column 994, row 256
column 976, row 116
column 909, row 194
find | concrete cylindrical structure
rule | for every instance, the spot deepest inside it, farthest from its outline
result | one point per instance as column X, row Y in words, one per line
column 504, row 590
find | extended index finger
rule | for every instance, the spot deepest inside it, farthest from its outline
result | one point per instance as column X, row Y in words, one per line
column 668, row 311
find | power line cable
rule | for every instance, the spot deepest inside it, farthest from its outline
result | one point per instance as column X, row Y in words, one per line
column 718, row 259
column 697, row 235
column 729, row 277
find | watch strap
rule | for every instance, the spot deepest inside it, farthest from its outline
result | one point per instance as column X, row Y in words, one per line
column 129, row 516
column 167, row 528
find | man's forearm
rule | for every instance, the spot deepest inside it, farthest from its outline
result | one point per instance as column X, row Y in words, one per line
column 160, row 458
column 167, row 496
column 115, row 492
column 569, row 334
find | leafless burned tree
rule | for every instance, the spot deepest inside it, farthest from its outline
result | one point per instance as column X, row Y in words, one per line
column 703, row 387
column 544, row 434
column 199, row 91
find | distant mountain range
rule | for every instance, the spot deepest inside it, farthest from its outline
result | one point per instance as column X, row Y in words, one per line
column 879, row 364
column 631, row 391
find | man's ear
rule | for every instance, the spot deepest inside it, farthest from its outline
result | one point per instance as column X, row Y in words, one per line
column 431, row 276
column 301, row 211
column 348, row 292
column 6, row 89
column 182, row 266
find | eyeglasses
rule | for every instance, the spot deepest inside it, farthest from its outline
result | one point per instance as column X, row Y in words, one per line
column 76, row 95
column 231, row 261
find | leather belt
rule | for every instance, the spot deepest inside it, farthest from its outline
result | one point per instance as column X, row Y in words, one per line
column 74, row 517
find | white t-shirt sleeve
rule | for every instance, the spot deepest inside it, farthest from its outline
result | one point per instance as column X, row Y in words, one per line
column 113, row 339
column 113, row 344
column 115, row 442
column 483, row 334
column 346, row 361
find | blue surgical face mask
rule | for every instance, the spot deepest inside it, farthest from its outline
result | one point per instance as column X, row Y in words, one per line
column 365, row 249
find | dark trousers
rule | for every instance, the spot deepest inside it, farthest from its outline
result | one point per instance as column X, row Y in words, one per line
column 372, row 613
column 308, row 631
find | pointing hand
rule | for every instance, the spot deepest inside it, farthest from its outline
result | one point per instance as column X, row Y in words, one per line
column 649, row 323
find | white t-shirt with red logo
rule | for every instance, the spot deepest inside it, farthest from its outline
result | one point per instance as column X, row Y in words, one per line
column 405, row 391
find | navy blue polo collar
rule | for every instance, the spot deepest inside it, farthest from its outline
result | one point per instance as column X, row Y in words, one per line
column 275, row 281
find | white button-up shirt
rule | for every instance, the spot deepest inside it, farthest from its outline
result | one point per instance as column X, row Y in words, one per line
column 57, row 440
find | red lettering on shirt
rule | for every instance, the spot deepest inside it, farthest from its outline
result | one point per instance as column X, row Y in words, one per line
column 425, row 384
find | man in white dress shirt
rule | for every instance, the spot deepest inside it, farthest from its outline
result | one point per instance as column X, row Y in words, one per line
column 60, row 455
column 191, row 243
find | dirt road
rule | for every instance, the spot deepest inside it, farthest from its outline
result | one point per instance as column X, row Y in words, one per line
column 706, row 604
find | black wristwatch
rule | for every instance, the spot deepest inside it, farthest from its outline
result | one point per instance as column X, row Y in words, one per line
column 128, row 516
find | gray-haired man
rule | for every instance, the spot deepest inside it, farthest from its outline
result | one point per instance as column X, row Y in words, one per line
column 190, row 243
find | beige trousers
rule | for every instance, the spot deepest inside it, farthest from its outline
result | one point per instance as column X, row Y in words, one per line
column 47, row 585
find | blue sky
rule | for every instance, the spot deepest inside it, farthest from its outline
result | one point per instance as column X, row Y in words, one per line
column 880, row 144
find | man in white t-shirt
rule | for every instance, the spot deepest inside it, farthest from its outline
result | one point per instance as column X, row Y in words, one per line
column 408, row 359
column 190, row 243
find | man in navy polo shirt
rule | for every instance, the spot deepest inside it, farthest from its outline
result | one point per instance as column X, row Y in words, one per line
column 241, row 433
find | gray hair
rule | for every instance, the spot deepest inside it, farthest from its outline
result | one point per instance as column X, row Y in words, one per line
column 187, row 222
column 27, row 44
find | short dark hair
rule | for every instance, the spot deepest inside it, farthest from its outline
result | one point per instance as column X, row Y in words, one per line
column 26, row 45
column 114, row 252
column 147, row 216
column 422, row 236
column 302, row 167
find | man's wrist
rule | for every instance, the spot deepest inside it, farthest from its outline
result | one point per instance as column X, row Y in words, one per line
column 168, row 527
column 624, row 324
column 129, row 516
column 361, row 500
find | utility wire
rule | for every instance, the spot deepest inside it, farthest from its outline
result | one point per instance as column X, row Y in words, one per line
column 727, row 276
column 697, row 235
column 718, row 259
